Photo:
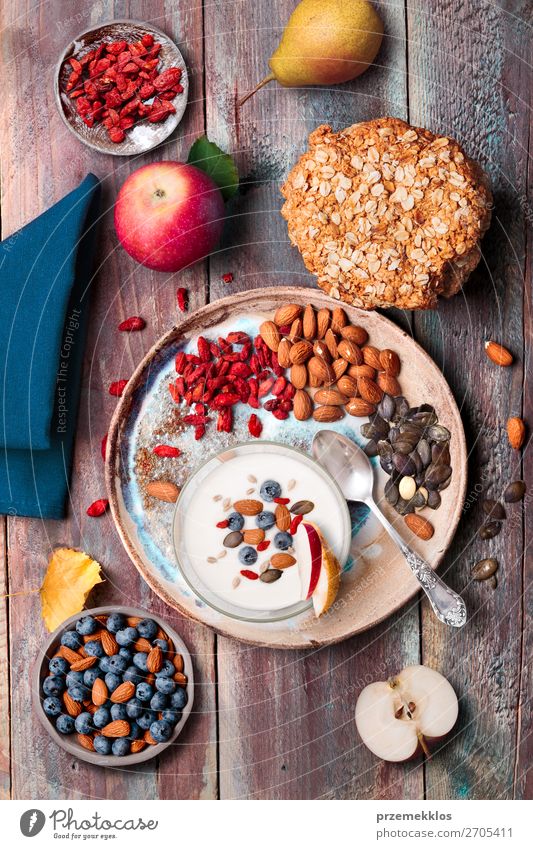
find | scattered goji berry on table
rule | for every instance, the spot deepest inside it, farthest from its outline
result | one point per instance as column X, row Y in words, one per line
column 166, row 451
column 227, row 278
column 254, row 426
column 118, row 387
column 135, row 322
column 247, row 573
column 103, row 446
column 98, row 508
column 183, row 299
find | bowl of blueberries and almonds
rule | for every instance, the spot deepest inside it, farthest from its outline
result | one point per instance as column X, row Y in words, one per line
column 114, row 685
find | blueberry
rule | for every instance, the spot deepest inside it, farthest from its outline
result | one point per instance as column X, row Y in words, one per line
column 94, row 648
column 53, row 685
column 74, row 678
column 139, row 660
column 133, row 674
column 65, row 724
column 179, row 699
column 77, row 692
column 101, row 717
column 145, row 720
column 265, row 520
column 158, row 701
column 71, row 639
column 84, row 723
column 283, row 540
column 167, row 670
column 163, row 644
column 90, row 676
column 52, row 706
column 126, row 653
column 58, row 666
column 118, row 664
column 115, row 622
column 102, row 745
column 270, row 490
column 119, row 712
column 135, row 731
column 112, row 681
column 248, row 555
column 144, row 691
column 235, row 522
column 120, row 747
column 87, row 625
column 134, row 708
column 165, row 685
column 171, row 715
column 126, row 636
column 104, row 665
column 160, row 730
column 147, row 629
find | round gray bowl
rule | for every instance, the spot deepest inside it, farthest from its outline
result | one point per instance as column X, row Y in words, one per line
column 68, row 742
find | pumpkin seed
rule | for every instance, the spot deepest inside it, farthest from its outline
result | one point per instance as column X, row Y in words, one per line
column 233, row 539
column 302, row 507
column 270, row 576
column 484, row 569
column 489, row 530
column 494, row 509
column 514, row 492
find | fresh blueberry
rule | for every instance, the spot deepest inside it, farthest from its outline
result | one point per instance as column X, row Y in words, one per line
column 84, row 723
column 133, row 674
column 94, row 648
column 119, row 712
column 74, row 678
column 71, row 639
column 167, row 670
column 77, row 692
column 58, row 666
column 144, row 691
column 165, row 685
column 235, row 522
column 102, row 745
column 87, row 625
column 115, row 622
column 265, row 520
column 112, row 681
column 53, row 685
column 101, row 717
column 126, row 636
column 118, row 664
column 248, row 555
column 160, row 730
column 65, row 724
column 104, row 664
column 135, row 731
column 147, row 629
column 120, row 747
column 171, row 715
column 126, row 653
column 163, row 644
column 134, row 708
column 283, row 540
column 158, row 701
column 178, row 700
column 145, row 719
column 90, row 676
column 139, row 660
column 52, row 706
column 270, row 490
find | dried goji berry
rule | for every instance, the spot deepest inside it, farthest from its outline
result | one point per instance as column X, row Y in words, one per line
column 227, row 278
column 160, row 110
column 282, row 500
column 147, row 39
column 193, row 419
column 167, row 79
column 203, row 349
column 294, row 524
column 279, row 386
column 223, row 524
column 118, row 387
column 166, row 451
column 265, row 386
column 262, row 546
column 183, row 298
column 103, row 446
column 98, row 508
column 247, row 573
column 238, row 337
column 116, row 135
column 180, row 362
column 280, row 414
column 254, row 426
column 199, row 431
column 135, row 322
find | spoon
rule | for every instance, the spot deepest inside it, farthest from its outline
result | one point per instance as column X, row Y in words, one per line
column 349, row 466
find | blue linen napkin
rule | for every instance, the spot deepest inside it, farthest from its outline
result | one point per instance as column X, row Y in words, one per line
column 45, row 276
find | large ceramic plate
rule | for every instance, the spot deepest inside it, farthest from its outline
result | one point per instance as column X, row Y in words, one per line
column 377, row 580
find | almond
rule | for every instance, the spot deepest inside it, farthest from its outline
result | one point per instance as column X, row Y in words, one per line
column 339, row 367
column 137, row 746
column 331, row 341
column 150, row 678
column 133, row 621
column 355, row 334
column 88, row 638
column 102, row 618
column 309, row 322
column 301, row 351
column 91, row 708
column 328, row 414
column 323, row 320
column 142, row 644
column 283, row 517
column 302, row 405
column 321, row 370
column 347, row 385
column 320, row 349
column 314, row 380
column 99, row 692
column 371, row 356
column 330, row 397
column 117, row 728
column 286, row 314
column 284, row 349
column 270, row 335
column 362, row 371
column 124, row 692
column 282, row 561
column 149, row 739
column 180, row 679
column 73, row 708
column 83, row 663
column 296, row 331
column 389, row 384
column 368, row 390
column 419, row 526
column 69, row 655
column 339, row 320
column 253, row 536
column 163, row 491
column 498, row 354
column 359, row 407
column 85, row 741
column 298, row 376
column 109, row 644
column 390, row 362
column 178, row 662
column 154, row 661
column 516, row 432
column 248, row 506
column 350, row 351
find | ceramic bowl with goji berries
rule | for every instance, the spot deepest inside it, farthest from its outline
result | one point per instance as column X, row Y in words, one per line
column 121, row 88
column 114, row 686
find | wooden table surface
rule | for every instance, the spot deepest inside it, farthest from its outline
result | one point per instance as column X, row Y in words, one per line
column 270, row 724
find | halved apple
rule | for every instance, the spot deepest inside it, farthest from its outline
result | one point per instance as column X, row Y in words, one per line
column 325, row 574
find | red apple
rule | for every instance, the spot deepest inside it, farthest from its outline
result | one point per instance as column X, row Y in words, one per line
column 169, row 215
column 325, row 574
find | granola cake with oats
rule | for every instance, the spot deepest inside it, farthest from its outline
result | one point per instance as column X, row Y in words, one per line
column 386, row 214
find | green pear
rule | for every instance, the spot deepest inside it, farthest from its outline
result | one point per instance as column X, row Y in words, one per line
column 325, row 42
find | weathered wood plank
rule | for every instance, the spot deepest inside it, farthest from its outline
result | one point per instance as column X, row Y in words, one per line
column 40, row 162
column 468, row 78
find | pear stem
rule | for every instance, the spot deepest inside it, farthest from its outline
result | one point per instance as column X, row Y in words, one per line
column 258, row 86
column 424, row 745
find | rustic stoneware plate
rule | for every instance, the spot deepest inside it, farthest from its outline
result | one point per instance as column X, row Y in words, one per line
column 68, row 742
column 376, row 580
column 142, row 136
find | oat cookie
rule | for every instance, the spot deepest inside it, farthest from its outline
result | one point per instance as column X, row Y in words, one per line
column 386, row 214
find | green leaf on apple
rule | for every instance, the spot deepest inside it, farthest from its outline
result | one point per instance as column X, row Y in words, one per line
column 220, row 166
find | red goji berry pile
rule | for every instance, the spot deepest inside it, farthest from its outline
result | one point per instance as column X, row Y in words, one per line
column 113, row 84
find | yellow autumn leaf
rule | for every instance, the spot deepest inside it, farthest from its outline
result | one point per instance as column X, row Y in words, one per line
column 70, row 577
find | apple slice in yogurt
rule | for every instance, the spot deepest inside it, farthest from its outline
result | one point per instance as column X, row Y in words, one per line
column 324, row 573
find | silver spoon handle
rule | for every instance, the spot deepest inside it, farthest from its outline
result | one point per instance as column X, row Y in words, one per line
column 447, row 605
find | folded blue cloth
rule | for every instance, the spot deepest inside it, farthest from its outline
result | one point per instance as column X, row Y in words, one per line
column 45, row 275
